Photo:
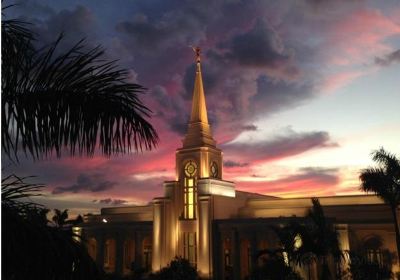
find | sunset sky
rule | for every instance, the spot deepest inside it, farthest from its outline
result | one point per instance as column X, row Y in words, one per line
column 299, row 93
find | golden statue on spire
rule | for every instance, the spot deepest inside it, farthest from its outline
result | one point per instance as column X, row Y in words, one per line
column 197, row 52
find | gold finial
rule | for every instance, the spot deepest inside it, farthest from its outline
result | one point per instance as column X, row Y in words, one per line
column 197, row 52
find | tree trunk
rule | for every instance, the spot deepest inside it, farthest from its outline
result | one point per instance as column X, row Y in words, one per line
column 396, row 228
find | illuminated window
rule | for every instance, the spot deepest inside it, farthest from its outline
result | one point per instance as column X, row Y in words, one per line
column 190, row 191
column 214, row 170
column 189, row 245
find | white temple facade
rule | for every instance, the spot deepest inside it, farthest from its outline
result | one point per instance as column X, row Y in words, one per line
column 203, row 218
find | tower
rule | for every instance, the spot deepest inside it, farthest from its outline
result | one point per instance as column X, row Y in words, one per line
column 182, row 224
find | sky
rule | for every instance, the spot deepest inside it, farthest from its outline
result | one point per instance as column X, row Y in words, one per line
column 299, row 93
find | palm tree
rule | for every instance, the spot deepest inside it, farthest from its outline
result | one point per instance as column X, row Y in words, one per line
column 384, row 181
column 53, row 100
column 321, row 238
column 60, row 217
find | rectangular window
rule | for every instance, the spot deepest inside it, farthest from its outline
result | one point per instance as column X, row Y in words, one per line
column 189, row 245
column 190, row 199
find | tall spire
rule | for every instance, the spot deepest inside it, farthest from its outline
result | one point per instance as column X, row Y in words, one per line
column 199, row 110
column 199, row 133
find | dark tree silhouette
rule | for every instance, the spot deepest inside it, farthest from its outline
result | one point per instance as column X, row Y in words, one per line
column 75, row 100
column 32, row 248
column 60, row 217
column 384, row 181
column 308, row 240
column 54, row 101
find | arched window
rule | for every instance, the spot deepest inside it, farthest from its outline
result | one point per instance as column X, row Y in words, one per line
column 190, row 190
column 109, row 256
column 129, row 255
column 92, row 248
column 147, row 250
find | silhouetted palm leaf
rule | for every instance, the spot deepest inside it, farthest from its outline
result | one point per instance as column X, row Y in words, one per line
column 75, row 99
column 384, row 181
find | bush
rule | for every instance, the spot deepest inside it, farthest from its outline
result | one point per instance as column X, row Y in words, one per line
column 274, row 268
column 178, row 269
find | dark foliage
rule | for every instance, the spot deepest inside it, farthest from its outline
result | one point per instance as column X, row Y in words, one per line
column 178, row 269
column 32, row 248
column 73, row 100
column 306, row 241
column 362, row 269
column 384, row 181
column 273, row 267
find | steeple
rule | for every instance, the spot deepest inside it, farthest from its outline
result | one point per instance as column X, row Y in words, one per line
column 199, row 133
column 199, row 110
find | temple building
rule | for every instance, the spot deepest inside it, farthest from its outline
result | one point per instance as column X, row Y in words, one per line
column 218, row 229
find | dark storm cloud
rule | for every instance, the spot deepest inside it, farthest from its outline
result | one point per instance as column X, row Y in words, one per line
column 388, row 59
column 173, row 27
column 75, row 25
column 290, row 144
column 323, row 176
column 231, row 163
column 273, row 95
column 111, row 201
column 87, row 183
column 249, row 127
column 170, row 109
column 259, row 47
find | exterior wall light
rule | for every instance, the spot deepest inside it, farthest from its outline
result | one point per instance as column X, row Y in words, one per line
column 104, row 220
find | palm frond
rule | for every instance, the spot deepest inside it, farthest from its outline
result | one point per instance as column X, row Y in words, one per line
column 375, row 180
column 387, row 160
column 75, row 100
column 15, row 192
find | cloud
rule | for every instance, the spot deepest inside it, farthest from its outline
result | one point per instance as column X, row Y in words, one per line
column 87, row 183
column 111, row 201
column 248, row 127
column 289, row 144
column 76, row 24
column 306, row 182
column 231, row 163
column 260, row 47
column 388, row 59
column 273, row 95
column 338, row 80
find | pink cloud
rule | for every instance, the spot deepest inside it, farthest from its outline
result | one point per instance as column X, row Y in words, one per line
column 360, row 35
column 338, row 80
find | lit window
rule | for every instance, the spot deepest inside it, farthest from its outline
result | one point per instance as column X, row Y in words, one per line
column 189, row 245
column 190, row 196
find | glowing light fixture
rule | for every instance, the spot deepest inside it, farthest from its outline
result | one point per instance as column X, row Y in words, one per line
column 105, row 220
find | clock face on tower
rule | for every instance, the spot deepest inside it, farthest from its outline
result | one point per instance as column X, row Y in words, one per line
column 214, row 169
column 190, row 168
